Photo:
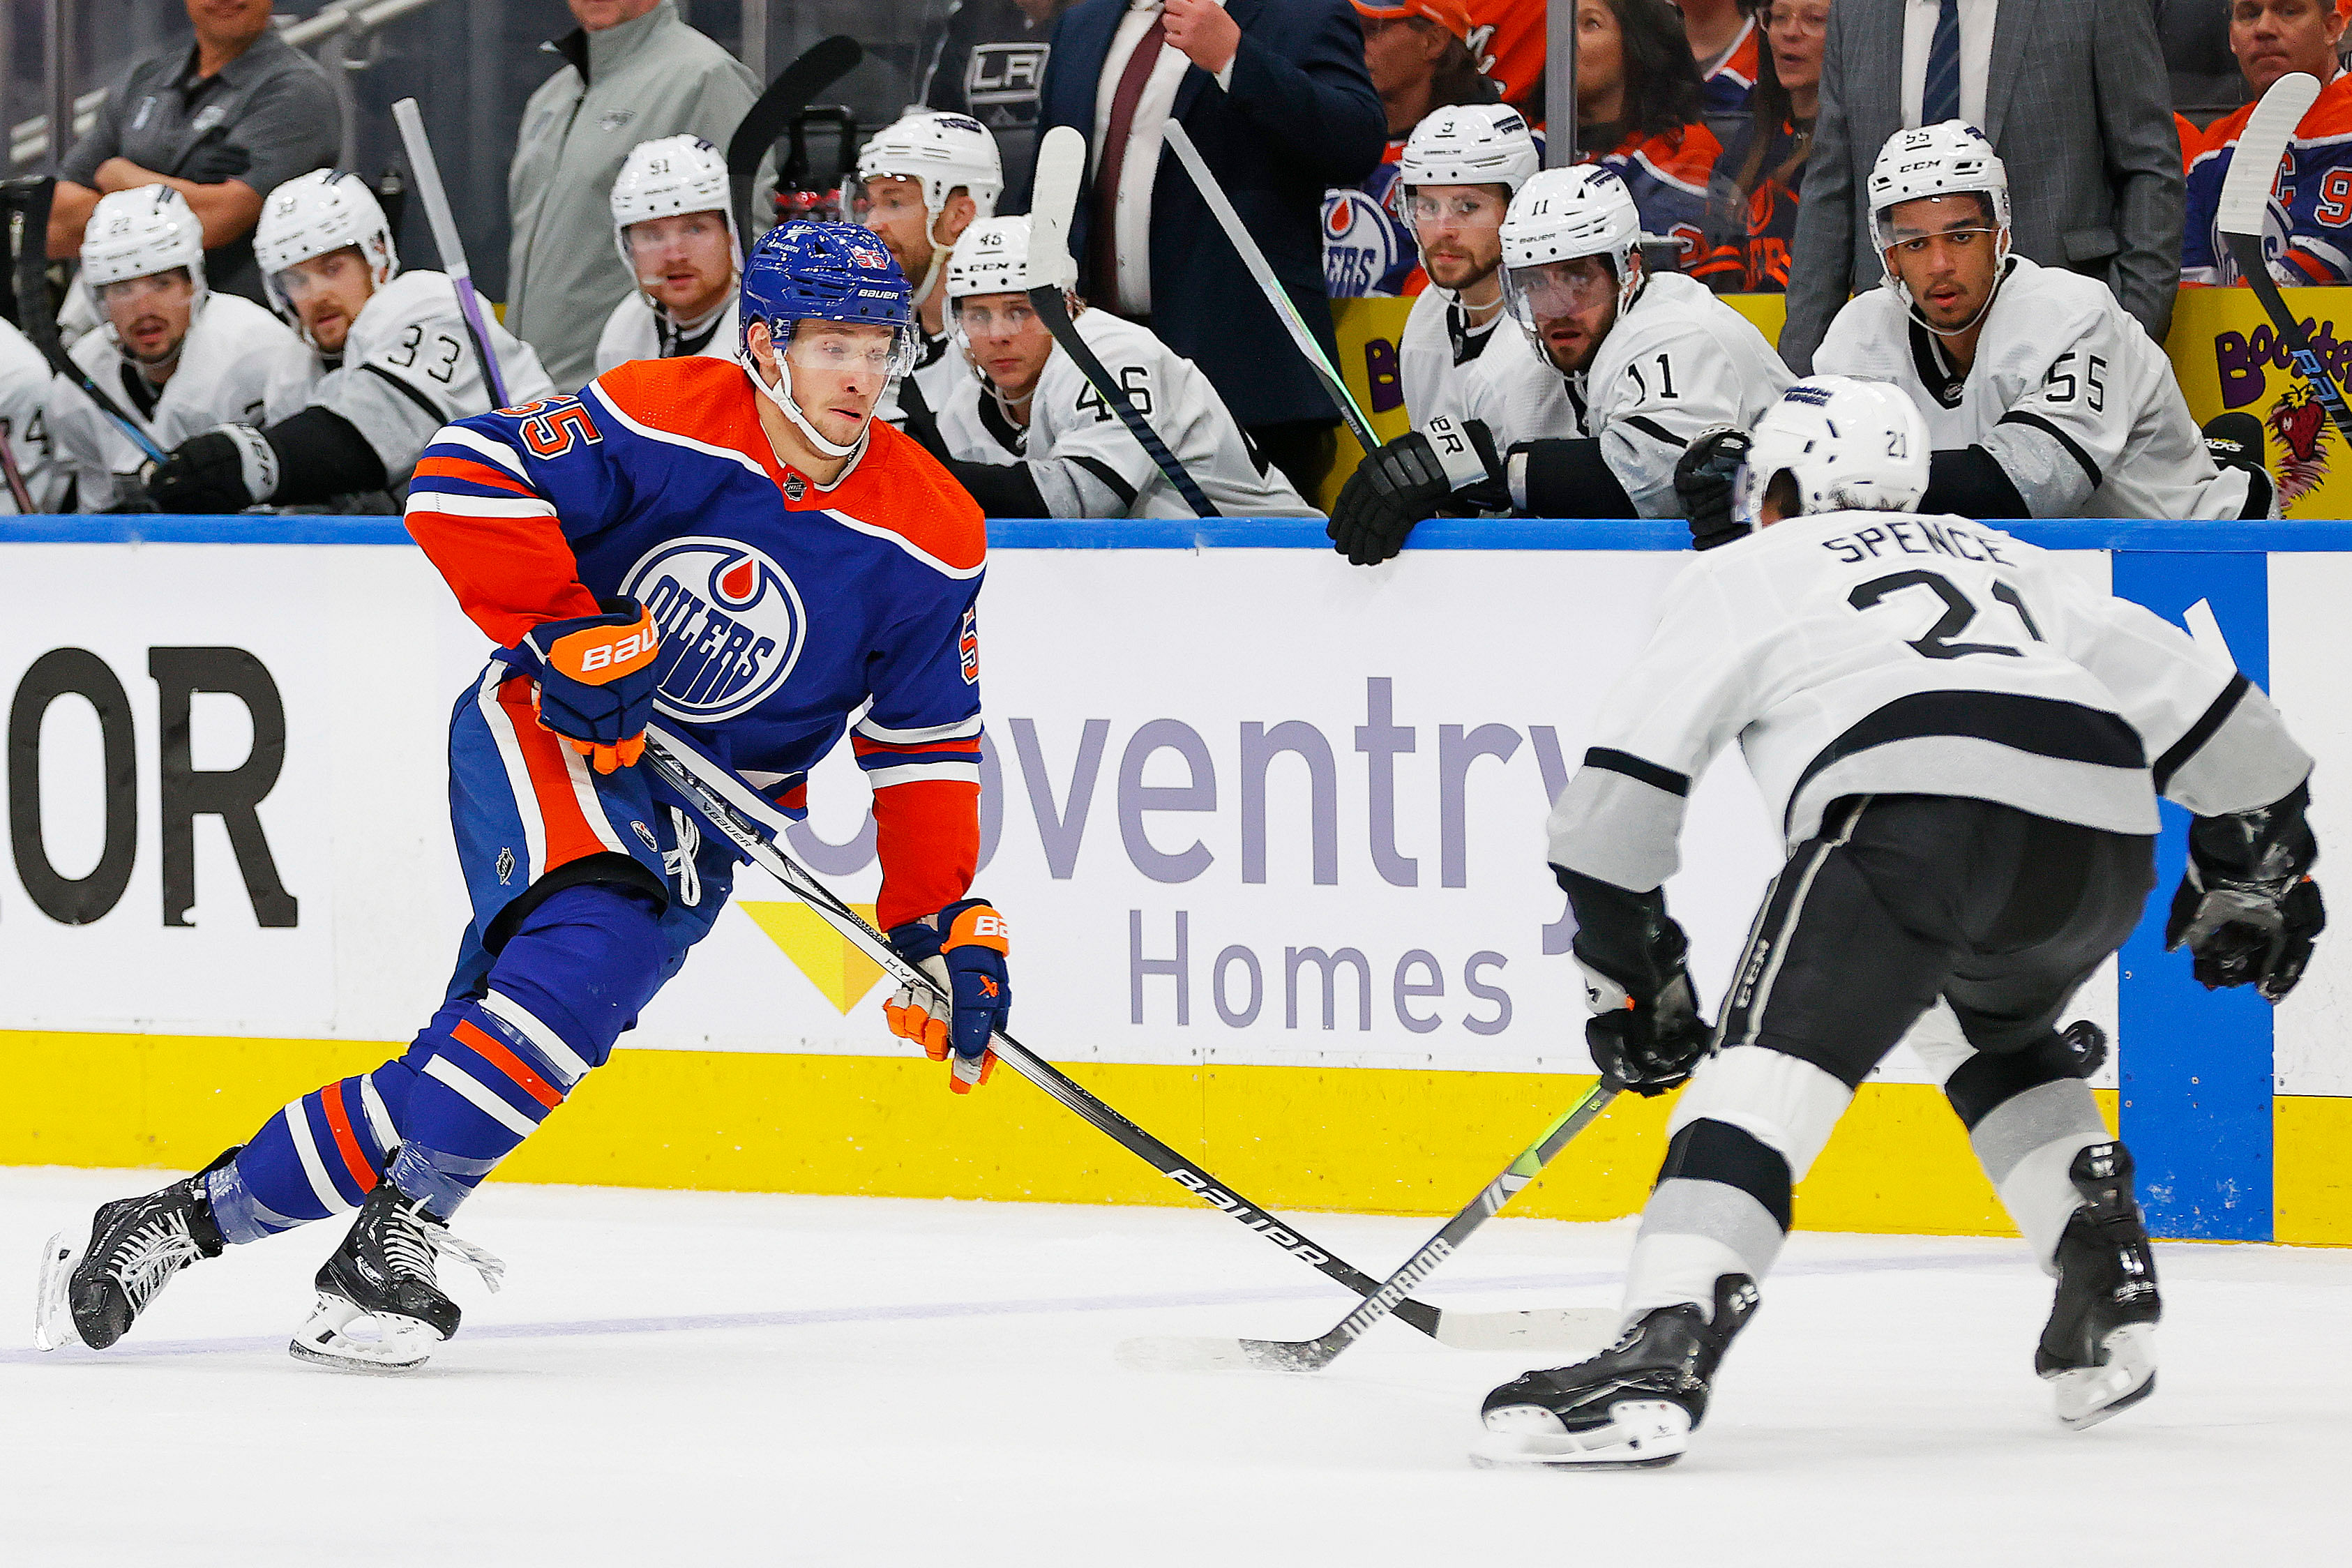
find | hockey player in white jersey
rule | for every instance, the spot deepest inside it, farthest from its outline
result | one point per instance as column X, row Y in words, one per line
column 1461, row 168
column 1025, row 432
column 37, row 479
column 1963, row 746
column 177, row 357
column 2042, row 396
column 382, row 363
column 675, row 225
column 1584, row 411
column 922, row 184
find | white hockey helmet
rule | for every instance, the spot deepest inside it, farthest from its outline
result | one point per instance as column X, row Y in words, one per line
column 1942, row 160
column 313, row 214
column 664, row 178
column 138, row 233
column 944, row 152
column 1850, row 444
column 1561, row 215
column 993, row 257
column 1470, row 144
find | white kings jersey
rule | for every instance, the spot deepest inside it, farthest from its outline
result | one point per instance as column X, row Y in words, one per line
column 2070, row 394
column 1678, row 361
column 635, row 331
column 1883, row 653
column 27, row 387
column 222, row 378
column 1435, row 351
column 1085, row 462
column 405, row 371
column 939, row 371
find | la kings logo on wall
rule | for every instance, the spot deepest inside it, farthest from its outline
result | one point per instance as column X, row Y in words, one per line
column 731, row 624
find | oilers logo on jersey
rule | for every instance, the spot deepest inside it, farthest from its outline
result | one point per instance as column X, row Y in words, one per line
column 731, row 623
column 1367, row 248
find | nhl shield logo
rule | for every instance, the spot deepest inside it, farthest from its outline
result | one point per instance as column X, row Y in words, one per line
column 796, row 487
column 732, row 625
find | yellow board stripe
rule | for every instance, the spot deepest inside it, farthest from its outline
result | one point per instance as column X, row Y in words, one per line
column 1367, row 1140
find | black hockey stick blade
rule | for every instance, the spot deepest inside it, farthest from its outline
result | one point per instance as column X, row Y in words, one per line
column 822, row 64
column 1053, row 197
column 27, row 203
column 2242, row 216
column 1585, row 1328
column 747, row 822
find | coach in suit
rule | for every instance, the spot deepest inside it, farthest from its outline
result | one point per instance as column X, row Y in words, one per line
column 2072, row 94
column 1276, row 95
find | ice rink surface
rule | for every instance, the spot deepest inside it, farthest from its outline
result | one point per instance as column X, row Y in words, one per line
column 699, row 1378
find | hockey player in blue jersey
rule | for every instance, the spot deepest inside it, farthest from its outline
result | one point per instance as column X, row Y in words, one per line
column 738, row 548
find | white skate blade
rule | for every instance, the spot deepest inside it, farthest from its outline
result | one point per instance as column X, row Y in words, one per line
column 400, row 1345
column 1641, row 1434
column 1586, row 1330
column 2089, row 1396
column 53, row 1324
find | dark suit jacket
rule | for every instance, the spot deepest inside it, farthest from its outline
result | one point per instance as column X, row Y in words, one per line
column 2079, row 110
column 1301, row 115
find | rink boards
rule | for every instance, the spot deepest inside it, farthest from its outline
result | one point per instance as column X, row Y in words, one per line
column 1269, row 830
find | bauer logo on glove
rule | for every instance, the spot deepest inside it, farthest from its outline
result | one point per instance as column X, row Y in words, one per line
column 961, row 949
column 596, row 681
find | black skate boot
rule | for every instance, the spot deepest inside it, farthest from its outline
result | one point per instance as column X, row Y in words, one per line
column 1632, row 1406
column 385, row 1272
column 2099, row 1347
column 94, row 1293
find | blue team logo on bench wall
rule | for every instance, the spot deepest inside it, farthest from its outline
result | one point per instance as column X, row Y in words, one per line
column 731, row 624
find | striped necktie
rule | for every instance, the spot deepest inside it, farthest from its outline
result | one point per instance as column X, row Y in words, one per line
column 1941, row 99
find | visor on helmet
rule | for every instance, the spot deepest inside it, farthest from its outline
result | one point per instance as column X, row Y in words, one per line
column 848, row 348
column 1551, row 289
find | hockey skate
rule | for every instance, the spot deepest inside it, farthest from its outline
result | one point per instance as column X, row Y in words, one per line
column 380, row 1308
column 1632, row 1406
column 2098, row 1351
column 92, row 1294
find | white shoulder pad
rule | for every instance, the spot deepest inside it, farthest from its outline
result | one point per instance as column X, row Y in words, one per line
column 1870, row 336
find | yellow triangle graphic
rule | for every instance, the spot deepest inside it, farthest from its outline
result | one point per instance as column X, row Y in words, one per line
column 818, row 950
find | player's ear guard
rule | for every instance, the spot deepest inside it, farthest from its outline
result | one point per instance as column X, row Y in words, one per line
column 595, row 679
column 963, row 949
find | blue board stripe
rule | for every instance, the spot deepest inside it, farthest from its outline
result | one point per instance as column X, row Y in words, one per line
column 1228, row 534
column 2196, row 1065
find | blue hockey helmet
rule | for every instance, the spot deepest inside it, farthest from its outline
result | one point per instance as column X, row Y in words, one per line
column 802, row 271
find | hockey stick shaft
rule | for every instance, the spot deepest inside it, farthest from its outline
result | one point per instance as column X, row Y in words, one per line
column 17, row 491
column 447, row 241
column 1055, row 313
column 28, row 208
column 2248, row 254
column 1270, row 286
column 819, row 67
column 676, row 766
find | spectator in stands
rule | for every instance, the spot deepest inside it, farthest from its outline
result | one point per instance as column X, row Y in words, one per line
column 1638, row 97
column 1421, row 62
column 2270, row 39
column 1283, row 109
column 990, row 63
column 1765, row 162
column 1723, row 41
column 633, row 72
column 2073, row 97
column 1508, row 36
column 223, row 122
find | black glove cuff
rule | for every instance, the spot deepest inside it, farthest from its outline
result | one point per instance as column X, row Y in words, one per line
column 320, row 456
column 1566, row 478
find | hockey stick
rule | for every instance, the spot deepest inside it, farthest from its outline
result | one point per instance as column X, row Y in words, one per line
column 1054, row 196
column 27, row 205
column 822, row 64
column 1175, row 1354
column 2245, row 200
column 752, row 825
column 18, row 493
column 445, row 240
column 1255, row 259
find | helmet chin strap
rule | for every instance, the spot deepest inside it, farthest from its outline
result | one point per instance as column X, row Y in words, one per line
column 781, row 394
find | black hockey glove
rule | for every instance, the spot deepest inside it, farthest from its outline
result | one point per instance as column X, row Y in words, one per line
column 2247, row 908
column 225, row 469
column 1646, row 1032
column 1409, row 478
column 1704, row 476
